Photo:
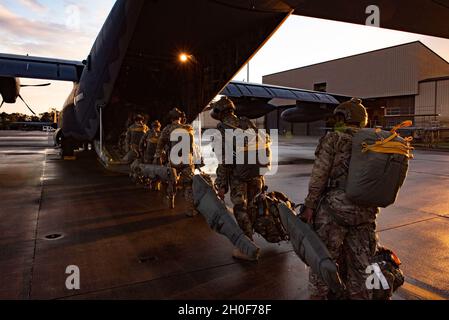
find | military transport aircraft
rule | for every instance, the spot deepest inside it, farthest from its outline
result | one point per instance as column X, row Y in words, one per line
column 153, row 55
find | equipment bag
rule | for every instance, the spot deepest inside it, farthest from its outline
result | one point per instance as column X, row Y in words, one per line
column 378, row 167
column 389, row 265
column 268, row 221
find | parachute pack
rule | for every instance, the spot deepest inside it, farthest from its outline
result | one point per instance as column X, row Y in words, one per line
column 378, row 167
column 251, row 148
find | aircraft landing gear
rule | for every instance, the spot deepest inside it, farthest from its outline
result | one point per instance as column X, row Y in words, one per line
column 68, row 146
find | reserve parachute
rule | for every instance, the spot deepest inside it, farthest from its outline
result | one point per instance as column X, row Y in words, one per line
column 378, row 167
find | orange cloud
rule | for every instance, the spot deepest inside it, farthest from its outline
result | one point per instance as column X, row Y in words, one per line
column 25, row 36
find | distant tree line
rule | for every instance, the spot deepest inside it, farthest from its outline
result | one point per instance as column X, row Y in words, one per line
column 15, row 121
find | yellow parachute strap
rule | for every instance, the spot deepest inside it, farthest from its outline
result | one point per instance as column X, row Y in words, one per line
column 255, row 147
column 143, row 129
column 392, row 147
column 405, row 124
column 154, row 140
column 188, row 128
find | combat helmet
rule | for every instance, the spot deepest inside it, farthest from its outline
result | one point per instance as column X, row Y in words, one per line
column 175, row 114
column 156, row 124
column 221, row 107
column 139, row 118
column 353, row 112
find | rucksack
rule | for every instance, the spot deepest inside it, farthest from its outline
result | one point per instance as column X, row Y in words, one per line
column 258, row 143
column 267, row 221
column 378, row 167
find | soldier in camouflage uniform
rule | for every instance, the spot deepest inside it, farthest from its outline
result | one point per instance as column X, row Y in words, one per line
column 184, row 118
column 133, row 137
column 149, row 142
column 243, row 190
column 347, row 229
column 185, row 170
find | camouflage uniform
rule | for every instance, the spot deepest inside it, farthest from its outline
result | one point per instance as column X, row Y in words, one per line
column 243, row 191
column 133, row 137
column 348, row 230
column 148, row 145
column 184, row 171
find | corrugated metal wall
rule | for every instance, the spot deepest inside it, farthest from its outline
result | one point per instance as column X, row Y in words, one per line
column 443, row 100
column 433, row 98
column 393, row 71
column 425, row 100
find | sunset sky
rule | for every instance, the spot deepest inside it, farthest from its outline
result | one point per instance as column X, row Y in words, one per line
column 67, row 29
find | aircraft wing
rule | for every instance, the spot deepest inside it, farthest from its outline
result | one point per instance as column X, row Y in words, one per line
column 17, row 66
column 237, row 89
column 254, row 100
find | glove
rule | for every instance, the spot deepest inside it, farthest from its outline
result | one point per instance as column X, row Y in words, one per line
column 308, row 215
column 221, row 193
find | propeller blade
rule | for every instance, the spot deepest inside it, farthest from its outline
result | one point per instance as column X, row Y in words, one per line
column 35, row 85
column 34, row 113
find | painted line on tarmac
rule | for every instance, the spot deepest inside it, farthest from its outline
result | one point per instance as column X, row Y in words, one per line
column 440, row 215
column 36, row 230
column 412, row 292
column 431, row 174
column 406, row 224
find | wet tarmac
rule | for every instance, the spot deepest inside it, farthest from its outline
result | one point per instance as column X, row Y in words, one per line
column 128, row 245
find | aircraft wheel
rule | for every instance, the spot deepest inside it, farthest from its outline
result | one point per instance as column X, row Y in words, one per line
column 68, row 148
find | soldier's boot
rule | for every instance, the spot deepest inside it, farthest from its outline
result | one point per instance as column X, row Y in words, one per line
column 191, row 213
column 188, row 196
column 155, row 185
column 318, row 290
column 171, row 195
column 158, row 186
column 170, row 201
column 237, row 254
